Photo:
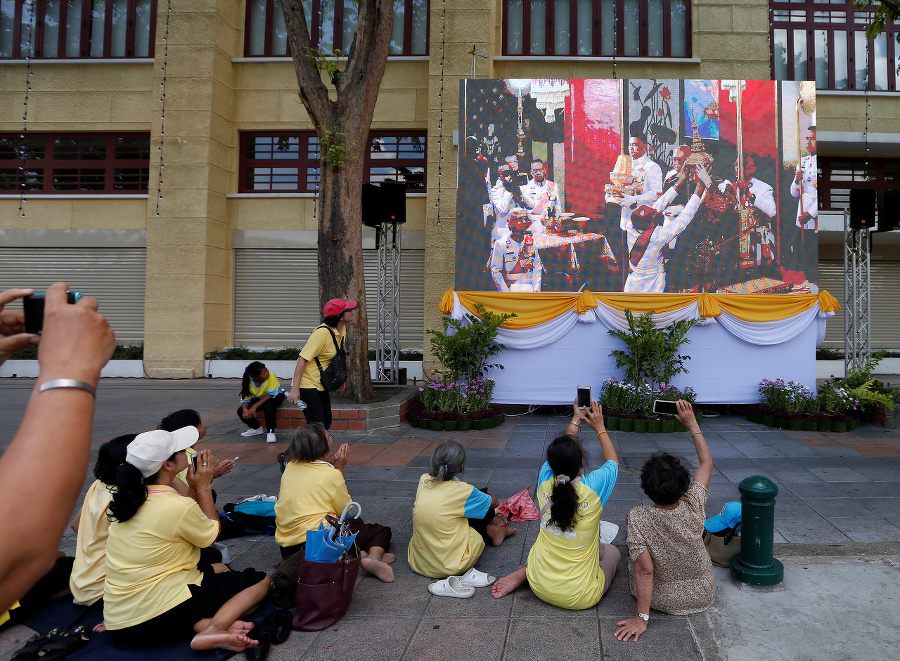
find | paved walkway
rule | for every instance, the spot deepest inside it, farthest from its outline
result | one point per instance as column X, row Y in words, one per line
column 837, row 530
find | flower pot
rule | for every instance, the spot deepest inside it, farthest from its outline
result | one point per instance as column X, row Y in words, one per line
column 414, row 422
column 823, row 425
column 464, row 425
column 699, row 416
column 838, row 425
column 795, row 425
column 501, row 418
column 612, row 422
column 753, row 416
column 668, row 426
column 626, row 424
column 768, row 420
column 679, row 426
column 640, row 425
column 809, row 425
column 479, row 424
column 852, row 424
column 654, row 426
column 450, row 425
column 781, row 423
column 436, row 425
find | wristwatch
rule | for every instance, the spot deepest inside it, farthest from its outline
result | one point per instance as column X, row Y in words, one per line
column 644, row 616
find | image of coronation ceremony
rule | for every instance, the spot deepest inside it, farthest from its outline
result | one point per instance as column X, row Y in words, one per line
column 637, row 185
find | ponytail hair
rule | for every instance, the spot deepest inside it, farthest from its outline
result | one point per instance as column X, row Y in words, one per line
column 447, row 460
column 129, row 492
column 128, row 495
column 566, row 458
column 251, row 372
column 111, row 456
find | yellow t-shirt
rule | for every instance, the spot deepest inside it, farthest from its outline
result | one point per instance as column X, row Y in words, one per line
column 443, row 544
column 89, row 569
column 182, row 475
column 270, row 386
column 309, row 491
column 4, row 616
column 319, row 345
column 151, row 559
column 564, row 566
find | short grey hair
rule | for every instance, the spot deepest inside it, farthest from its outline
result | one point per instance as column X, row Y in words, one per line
column 447, row 460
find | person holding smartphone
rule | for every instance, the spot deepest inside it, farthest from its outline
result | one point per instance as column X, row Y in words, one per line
column 43, row 468
column 669, row 568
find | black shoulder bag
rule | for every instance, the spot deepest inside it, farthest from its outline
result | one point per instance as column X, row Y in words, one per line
column 334, row 376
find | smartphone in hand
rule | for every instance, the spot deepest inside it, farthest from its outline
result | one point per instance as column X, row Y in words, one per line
column 584, row 397
column 194, row 460
column 665, row 407
column 33, row 306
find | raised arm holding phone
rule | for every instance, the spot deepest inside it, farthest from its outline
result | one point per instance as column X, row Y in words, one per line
column 44, row 466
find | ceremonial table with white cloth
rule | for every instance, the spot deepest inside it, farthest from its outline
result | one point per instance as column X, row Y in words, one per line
column 560, row 341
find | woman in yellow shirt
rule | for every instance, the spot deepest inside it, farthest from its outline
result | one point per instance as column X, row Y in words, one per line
column 155, row 591
column 260, row 389
column 569, row 566
column 312, row 488
column 316, row 355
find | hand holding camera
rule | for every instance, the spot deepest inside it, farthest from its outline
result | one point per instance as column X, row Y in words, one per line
column 12, row 325
column 200, row 472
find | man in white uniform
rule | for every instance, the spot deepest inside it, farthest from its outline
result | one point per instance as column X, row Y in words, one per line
column 539, row 193
column 648, row 232
column 647, row 177
column 756, row 239
column 804, row 186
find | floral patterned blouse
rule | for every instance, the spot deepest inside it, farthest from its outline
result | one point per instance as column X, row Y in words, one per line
column 683, row 580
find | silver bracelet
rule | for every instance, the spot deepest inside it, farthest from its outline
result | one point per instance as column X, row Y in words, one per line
column 68, row 383
column 204, row 489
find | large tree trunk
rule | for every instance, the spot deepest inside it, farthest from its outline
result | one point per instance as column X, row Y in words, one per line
column 343, row 128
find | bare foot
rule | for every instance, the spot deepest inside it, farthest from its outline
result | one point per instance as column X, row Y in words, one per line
column 507, row 584
column 240, row 626
column 236, row 642
column 381, row 570
column 389, row 558
column 99, row 628
column 498, row 534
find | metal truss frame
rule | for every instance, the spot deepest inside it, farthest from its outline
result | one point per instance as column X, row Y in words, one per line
column 387, row 329
column 857, row 282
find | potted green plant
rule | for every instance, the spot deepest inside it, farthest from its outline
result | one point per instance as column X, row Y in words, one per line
column 668, row 425
column 465, row 422
column 626, row 423
column 612, row 422
column 640, row 425
column 654, row 425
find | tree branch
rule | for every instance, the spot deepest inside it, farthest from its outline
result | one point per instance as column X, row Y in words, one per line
column 313, row 92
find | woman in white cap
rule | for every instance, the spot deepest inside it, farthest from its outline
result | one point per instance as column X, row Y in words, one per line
column 320, row 349
column 669, row 569
column 155, row 592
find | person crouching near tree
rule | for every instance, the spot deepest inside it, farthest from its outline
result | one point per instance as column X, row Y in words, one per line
column 155, row 591
column 569, row 566
column 260, row 389
column 669, row 569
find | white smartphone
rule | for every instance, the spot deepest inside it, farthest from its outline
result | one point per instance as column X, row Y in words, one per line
column 584, row 397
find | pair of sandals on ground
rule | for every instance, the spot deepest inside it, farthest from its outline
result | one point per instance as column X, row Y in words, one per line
column 462, row 587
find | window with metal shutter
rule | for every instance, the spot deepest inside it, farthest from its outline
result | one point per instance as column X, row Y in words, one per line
column 284, row 312
column 884, row 303
column 114, row 276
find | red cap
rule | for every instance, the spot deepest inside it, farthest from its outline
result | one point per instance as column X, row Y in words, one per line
column 338, row 306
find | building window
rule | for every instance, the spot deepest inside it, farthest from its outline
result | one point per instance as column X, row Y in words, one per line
column 77, row 28
column 289, row 161
column 837, row 176
column 827, row 43
column 623, row 28
column 332, row 24
column 74, row 163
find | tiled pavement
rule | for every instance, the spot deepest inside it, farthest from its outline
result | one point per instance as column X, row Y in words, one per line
column 833, row 489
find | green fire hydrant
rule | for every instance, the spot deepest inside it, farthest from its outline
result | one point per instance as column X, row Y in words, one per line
column 756, row 564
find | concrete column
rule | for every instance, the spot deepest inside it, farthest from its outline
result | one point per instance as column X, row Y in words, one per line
column 189, row 266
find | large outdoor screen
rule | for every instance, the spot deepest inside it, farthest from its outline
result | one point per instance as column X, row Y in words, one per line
column 642, row 186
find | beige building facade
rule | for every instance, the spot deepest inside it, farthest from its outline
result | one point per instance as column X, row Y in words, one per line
column 213, row 256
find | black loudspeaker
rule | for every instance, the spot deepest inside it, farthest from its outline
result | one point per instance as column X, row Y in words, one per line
column 862, row 208
column 383, row 203
column 889, row 214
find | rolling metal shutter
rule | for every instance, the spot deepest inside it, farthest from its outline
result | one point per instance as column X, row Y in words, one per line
column 283, row 313
column 114, row 276
column 884, row 303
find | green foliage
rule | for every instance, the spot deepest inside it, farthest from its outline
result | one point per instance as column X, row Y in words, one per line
column 333, row 147
column 243, row 353
column 885, row 12
column 861, row 372
column 868, row 395
column 651, row 355
column 464, row 353
column 122, row 352
column 824, row 353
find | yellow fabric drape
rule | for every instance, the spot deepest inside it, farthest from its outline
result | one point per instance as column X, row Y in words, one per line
column 534, row 309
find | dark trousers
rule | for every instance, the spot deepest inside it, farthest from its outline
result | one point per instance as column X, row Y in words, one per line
column 318, row 405
column 269, row 407
column 480, row 525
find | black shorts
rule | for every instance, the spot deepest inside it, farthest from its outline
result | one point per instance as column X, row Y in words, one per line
column 178, row 622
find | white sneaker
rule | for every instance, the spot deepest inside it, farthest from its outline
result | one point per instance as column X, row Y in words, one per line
column 270, row 437
column 253, row 432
